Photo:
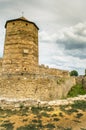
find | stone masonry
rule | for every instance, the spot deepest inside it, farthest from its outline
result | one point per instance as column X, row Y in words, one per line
column 21, row 46
column 20, row 74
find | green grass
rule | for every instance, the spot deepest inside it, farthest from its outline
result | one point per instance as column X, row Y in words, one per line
column 7, row 112
column 28, row 127
column 45, row 114
column 37, row 121
column 61, row 115
column 36, row 127
column 76, row 90
column 37, row 110
column 51, row 126
column 79, row 105
column 21, row 105
column 62, row 128
column 67, row 128
column 69, row 111
column 7, row 125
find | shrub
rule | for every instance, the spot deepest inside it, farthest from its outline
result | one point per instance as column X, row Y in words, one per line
column 76, row 90
column 73, row 73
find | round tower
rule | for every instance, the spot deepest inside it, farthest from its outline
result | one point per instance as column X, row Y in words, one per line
column 21, row 46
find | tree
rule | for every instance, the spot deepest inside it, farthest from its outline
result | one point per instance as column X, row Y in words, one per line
column 73, row 73
column 85, row 72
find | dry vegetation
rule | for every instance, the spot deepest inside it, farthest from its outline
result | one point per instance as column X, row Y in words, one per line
column 70, row 117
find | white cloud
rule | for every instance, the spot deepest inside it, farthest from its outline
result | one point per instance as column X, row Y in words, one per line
column 74, row 41
column 65, row 49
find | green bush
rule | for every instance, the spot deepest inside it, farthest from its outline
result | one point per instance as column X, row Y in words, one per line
column 76, row 90
column 73, row 73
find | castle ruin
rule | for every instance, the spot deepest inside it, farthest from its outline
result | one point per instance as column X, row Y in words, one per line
column 21, row 76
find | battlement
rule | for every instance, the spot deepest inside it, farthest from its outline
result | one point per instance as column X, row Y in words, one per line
column 53, row 71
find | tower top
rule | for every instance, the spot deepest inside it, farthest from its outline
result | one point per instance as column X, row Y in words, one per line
column 21, row 19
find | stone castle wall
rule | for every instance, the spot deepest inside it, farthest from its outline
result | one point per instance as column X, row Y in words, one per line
column 38, row 87
column 39, row 70
column 53, row 71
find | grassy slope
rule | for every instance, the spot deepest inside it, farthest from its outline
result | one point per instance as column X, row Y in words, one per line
column 76, row 90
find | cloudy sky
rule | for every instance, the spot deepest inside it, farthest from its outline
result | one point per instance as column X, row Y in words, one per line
column 62, row 34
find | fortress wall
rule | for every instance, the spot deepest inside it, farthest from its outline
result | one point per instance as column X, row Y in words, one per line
column 35, row 86
column 47, row 71
column 53, row 71
column 30, row 69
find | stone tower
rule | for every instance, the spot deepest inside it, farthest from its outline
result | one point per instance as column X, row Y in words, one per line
column 21, row 46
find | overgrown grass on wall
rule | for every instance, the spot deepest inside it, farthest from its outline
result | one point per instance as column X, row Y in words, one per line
column 76, row 90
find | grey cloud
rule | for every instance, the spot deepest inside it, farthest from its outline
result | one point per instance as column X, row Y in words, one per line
column 74, row 38
column 33, row 9
column 73, row 41
column 58, row 12
column 63, row 11
column 70, row 11
column 71, row 44
column 77, row 53
column 5, row 4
